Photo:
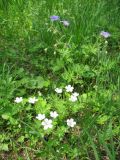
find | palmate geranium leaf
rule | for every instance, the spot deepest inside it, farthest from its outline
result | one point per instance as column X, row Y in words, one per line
column 36, row 82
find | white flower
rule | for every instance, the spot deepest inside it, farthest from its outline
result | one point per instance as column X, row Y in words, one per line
column 18, row 99
column 69, row 88
column 58, row 90
column 40, row 116
column 75, row 94
column 71, row 122
column 47, row 123
column 65, row 23
column 32, row 100
column 53, row 114
column 73, row 98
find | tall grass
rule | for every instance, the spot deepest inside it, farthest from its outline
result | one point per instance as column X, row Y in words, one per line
column 27, row 19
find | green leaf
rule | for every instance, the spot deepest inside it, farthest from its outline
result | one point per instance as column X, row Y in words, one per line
column 21, row 139
column 5, row 116
column 37, row 82
column 4, row 147
column 13, row 121
column 102, row 119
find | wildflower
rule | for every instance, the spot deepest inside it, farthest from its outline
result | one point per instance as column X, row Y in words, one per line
column 47, row 123
column 75, row 94
column 69, row 88
column 73, row 98
column 40, row 116
column 65, row 23
column 53, row 114
column 18, row 99
column 71, row 122
column 32, row 100
column 54, row 18
column 105, row 34
column 58, row 90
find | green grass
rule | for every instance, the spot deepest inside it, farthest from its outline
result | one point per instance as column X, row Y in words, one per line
column 39, row 55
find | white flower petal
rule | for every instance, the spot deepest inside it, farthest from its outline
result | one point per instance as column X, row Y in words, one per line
column 18, row 99
column 45, row 127
column 69, row 88
column 53, row 114
column 73, row 98
column 71, row 122
column 47, row 123
column 43, row 123
column 40, row 116
column 32, row 100
column 75, row 94
column 50, row 126
column 58, row 90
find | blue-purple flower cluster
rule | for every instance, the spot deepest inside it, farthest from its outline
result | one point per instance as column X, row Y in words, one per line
column 57, row 18
column 105, row 34
column 66, row 24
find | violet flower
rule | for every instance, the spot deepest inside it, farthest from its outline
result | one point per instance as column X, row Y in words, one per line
column 105, row 34
column 54, row 18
